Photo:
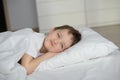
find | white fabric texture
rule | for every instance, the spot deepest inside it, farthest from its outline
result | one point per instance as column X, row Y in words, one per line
column 91, row 46
column 104, row 68
column 14, row 44
column 12, row 47
column 35, row 43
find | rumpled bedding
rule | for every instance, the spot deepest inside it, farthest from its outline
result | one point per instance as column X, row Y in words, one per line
column 12, row 48
column 13, row 45
column 104, row 68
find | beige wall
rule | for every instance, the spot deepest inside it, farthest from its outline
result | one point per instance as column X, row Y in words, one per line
column 77, row 12
column 102, row 12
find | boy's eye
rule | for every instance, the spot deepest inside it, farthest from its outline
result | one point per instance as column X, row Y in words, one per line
column 58, row 35
column 62, row 46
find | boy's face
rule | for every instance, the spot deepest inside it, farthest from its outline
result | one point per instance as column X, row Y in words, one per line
column 58, row 40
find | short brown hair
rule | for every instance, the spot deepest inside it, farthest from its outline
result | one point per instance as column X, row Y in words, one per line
column 76, row 34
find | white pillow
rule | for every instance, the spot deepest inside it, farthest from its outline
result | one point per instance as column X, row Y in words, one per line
column 92, row 45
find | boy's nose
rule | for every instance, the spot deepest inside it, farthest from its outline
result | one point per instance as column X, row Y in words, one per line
column 57, row 41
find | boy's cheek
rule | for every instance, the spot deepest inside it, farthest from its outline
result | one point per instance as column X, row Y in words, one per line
column 58, row 50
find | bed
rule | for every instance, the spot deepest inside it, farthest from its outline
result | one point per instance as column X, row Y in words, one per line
column 105, row 67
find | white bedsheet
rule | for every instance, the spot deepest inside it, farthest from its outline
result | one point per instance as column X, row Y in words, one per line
column 12, row 48
column 105, row 68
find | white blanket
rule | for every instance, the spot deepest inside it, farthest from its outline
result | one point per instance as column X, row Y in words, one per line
column 12, row 48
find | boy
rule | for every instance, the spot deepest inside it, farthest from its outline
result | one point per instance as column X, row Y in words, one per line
column 57, row 40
